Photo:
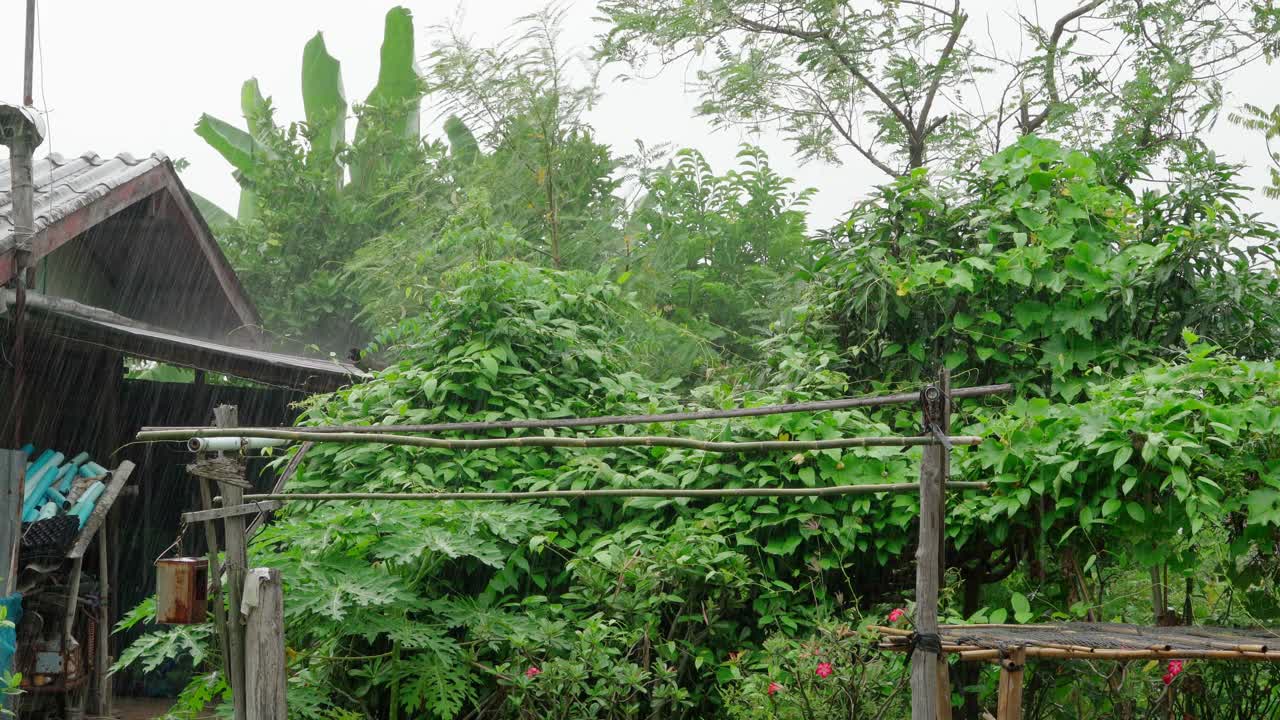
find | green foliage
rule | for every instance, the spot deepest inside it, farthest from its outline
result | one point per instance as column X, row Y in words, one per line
column 715, row 252
column 878, row 80
column 1035, row 270
column 1266, row 122
column 299, row 224
column 859, row 686
column 671, row 581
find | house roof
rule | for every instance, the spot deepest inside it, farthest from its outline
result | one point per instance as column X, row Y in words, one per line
column 72, row 195
column 75, row 322
column 64, row 185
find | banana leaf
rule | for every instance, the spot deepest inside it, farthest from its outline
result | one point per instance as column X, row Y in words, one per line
column 324, row 101
column 400, row 86
column 235, row 145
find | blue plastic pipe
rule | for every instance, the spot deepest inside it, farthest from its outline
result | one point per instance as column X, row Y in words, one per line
column 40, row 482
column 84, row 506
column 54, row 496
column 48, row 511
column 92, row 469
column 65, row 477
column 39, row 462
column 80, row 459
column 29, row 449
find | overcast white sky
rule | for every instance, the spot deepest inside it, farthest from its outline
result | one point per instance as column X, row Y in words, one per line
column 134, row 75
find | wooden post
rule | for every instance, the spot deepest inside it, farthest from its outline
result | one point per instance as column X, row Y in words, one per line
column 215, row 576
column 102, row 688
column 1010, row 695
column 944, row 689
column 13, row 464
column 264, row 645
column 933, row 468
column 226, row 416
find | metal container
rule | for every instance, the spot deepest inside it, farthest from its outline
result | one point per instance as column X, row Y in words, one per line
column 182, row 590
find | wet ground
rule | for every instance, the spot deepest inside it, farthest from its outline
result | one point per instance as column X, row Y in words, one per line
column 141, row 708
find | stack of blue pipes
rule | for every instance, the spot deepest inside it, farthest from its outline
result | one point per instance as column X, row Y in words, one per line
column 54, row 487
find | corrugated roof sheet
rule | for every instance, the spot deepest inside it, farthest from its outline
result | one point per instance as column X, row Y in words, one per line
column 135, row 338
column 64, row 185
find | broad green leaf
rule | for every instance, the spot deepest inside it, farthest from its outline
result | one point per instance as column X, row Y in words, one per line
column 235, row 145
column 400, row 87
column 323, row 99
column 1135, row 511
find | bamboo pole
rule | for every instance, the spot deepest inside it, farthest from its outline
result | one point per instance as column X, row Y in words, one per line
column 610, row 492
column 817, row 406
column 307, row 435
column 1009, row 705
column 1122, row 655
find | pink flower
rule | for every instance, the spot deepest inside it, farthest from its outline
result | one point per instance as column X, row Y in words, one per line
column 824, row 669
column 1175, row 669
column 897, row 614
column 774, row 688
column 1168, row 679
column 532, row 672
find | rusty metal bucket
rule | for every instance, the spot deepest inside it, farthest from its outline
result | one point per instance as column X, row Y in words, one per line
column 182, row 590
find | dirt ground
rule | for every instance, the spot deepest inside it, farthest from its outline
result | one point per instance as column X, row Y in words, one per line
column 140, row 708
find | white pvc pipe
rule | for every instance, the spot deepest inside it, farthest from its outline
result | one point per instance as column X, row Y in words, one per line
column 223, row 444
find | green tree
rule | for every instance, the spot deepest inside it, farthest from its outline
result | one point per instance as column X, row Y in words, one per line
column 310, row 200
column 902, row 83
column 716, row 253
column 547, row 175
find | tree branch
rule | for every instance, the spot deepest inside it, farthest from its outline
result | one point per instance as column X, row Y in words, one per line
column 958, row 19
column 1031, row 124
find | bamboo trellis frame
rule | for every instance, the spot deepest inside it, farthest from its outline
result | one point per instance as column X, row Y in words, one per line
column 926, row 677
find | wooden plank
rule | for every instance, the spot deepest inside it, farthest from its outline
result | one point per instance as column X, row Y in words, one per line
column 12, row 468
column 264, row 645
column 226, row 416
column 221, row 513
column 944, row 690
column 102, row 681
column 924, row 670
column 1010, row 694
column 119, row 477
column 215, row 576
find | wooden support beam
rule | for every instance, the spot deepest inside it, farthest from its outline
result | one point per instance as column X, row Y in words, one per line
column 102, row 681
column 215, row 576
column 115, row 483
column 264, row 645
column 933, row 469
column 1010, row 693
column 222, row 513
column 944, row 690
column 226, row 416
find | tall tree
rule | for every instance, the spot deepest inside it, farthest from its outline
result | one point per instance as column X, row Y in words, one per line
column 896, row 80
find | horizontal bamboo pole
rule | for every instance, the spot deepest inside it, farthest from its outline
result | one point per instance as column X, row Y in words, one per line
column 616, row 492
column 309, row 435
column 1125, row 654
column 546, row 423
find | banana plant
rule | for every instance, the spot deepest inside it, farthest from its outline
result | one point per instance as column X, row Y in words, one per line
column 397, row 94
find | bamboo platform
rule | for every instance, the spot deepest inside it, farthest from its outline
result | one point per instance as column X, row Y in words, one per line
column 1095, row 641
